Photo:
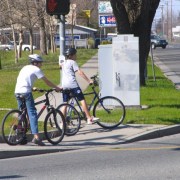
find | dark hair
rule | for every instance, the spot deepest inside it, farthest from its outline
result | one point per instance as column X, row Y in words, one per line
column 70, row 52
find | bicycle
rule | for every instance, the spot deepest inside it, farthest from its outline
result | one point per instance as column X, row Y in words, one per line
column 16, row 124
column 109, row 109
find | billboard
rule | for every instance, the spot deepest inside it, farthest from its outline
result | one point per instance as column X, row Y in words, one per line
column 107, row 21
column 104, row 7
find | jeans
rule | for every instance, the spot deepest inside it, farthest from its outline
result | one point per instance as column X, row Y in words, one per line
column 31, row 110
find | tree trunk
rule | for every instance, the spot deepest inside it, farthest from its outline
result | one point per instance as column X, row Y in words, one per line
column 43, row 38
column 40, row 15
column 31, row 40
column 15, row 46
column 20, row 43
column 136, row 17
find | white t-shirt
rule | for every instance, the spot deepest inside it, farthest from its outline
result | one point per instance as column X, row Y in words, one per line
column 69, row 67
column 26, row 78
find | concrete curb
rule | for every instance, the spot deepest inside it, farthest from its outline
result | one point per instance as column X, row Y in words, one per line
column 157, row 133
column 31, row 149
column 150, row 134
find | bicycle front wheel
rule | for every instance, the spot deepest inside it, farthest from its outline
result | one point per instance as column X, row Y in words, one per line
column 110, row 111
column 14, row 127
column 54, row 126
column 72, row 118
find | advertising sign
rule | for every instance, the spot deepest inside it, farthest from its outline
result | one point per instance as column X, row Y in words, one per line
column 104, row 7
column 107, row 21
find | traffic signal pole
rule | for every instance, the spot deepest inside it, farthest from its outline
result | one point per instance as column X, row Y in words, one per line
column 59, row 8
column 62, row 34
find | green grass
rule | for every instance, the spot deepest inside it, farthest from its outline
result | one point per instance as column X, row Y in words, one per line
column 162, row 100
column 10, row 70
column 160, row 96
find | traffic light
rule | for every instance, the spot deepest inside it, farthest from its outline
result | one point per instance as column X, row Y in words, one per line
column 57, row 7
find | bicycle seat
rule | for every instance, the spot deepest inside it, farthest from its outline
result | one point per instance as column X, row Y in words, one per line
column 20, row 96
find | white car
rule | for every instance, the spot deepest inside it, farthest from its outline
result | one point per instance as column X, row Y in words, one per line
column 7, row 47
column 25, row 47
column 10, row 46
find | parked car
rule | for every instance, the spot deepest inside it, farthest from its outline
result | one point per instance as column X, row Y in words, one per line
column 7, row 47
column 157, row 41
column 99, row 41
column 25, row 47
column 10, row 46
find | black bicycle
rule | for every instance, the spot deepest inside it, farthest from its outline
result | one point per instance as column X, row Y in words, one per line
column 16, row 124
column 109, row 109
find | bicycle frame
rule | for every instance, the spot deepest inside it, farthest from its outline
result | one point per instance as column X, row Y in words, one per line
column 45, row 106
column 85, row 94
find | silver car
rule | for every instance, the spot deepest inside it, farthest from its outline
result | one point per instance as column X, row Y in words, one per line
column 7, row 47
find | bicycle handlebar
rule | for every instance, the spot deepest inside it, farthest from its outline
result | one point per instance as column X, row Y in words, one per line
column 43, row 90
column 95, row 80
column 94, row 77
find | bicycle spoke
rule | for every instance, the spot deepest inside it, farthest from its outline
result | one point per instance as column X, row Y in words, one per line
column 13, row 129
column 110, row 111
column 54, row 127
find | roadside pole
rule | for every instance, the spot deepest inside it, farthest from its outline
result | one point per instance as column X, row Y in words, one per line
column 59, row 8
column 62, row 34
column 152, row 61
column 62, row 41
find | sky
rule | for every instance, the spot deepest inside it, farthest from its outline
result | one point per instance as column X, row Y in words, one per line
column 163, row 3
column 163, row 7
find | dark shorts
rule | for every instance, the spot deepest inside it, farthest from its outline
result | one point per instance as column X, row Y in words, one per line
column 76, row 92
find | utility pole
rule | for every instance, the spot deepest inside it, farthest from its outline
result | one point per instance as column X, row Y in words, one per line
column 171, row 21
column 162, row 17
column 62, row 34
column 167, row 22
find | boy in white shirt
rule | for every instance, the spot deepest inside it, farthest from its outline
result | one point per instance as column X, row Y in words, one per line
column 69, row 68
column 25, row 80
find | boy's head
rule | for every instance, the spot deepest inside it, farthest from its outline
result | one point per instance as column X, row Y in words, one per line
column 70, row 53
column 35, row 59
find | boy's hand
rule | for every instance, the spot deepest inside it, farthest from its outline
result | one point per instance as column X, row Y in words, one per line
column 58, row 89
column 90, row 82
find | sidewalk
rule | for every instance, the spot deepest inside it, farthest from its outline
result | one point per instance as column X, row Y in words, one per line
column 93, row 135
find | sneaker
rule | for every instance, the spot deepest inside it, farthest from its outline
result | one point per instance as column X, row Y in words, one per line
column 92, row 120
column 24, row 141
column 38, row 142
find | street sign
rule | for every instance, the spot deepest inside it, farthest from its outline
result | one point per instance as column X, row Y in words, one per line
column 107, row 21
column 88, row 13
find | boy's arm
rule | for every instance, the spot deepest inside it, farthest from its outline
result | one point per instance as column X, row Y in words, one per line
column 83, row 75
column 50, row 84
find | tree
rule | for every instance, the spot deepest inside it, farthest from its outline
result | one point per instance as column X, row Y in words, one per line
column 136, row 17
column 40, row 8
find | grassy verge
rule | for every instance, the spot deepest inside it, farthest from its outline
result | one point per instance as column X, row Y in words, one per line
column 161, row 99
column 160, row 96
column 10, row 70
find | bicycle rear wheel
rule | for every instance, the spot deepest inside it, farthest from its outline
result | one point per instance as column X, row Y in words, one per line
column 54, row 126
column 14, row 127
column 110, row 111
column 72, row 118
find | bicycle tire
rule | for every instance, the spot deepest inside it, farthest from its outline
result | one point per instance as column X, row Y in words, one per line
column 72, row 119
column 54, row 126
column 110, row 111
column 14, row 127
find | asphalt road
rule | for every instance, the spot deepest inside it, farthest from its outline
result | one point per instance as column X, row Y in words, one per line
column 155, row 159
column 169, row 60
column 152, row 159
